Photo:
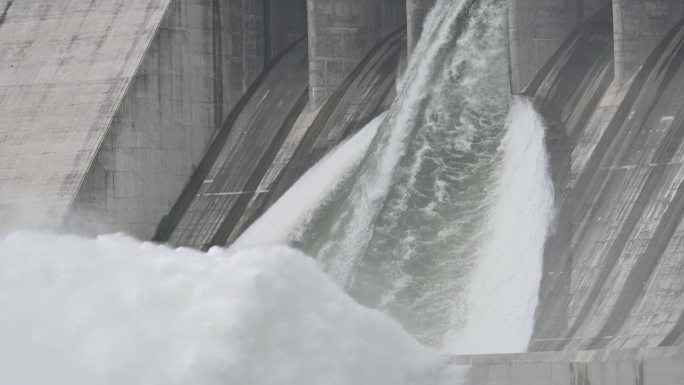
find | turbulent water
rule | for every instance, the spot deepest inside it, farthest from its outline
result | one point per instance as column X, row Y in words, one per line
column 114, row 311
column 418, row 238
column 405, row 236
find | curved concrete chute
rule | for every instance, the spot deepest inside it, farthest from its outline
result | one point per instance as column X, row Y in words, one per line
column 612, row 266
column 363, row 95
column 236, row 152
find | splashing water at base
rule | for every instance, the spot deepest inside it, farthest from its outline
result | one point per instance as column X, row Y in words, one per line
column 502, row 292
column 114, row 311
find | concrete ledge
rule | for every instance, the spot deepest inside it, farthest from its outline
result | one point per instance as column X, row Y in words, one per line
column 657, row 366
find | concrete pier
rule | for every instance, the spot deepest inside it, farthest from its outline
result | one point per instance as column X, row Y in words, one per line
column 286, row 22
column 639, row 27
column 538, row 28
column 341, row 33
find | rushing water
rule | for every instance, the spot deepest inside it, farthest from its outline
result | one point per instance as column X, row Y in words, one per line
column 420, row 237
column 405, row 235
column 114, row 311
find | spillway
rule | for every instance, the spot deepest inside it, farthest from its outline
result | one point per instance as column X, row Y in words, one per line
column 412, row 223
column 404, row 234
column 360, row 220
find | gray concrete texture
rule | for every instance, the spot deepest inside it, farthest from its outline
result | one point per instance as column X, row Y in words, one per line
column 253, row 137
column 611, row 305
column 287, row 22
column 658, row 366
column 537, row 29
column 66, row 66
column 265, row 149
column 639, row 26
column 614, row 265
column 341, row 33
column 108, row 105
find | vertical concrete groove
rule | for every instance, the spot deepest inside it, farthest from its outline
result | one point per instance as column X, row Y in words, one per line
column 267, row 31
column 217, row 31
column 216, row 145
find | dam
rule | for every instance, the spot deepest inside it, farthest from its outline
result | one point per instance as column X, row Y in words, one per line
column 494, row 190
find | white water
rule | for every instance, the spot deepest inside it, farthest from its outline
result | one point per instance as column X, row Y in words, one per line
column 502, row 295
column 114, row 311
column 340, row 247
column 287, row 219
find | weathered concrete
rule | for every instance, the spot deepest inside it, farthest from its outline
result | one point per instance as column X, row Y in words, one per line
column 192, row 74
column 613, row 267
column 253, row 136
column 660, row 366
column 639, row 27
column 538, row 28
column 286, row 24
column 366, row 92
column 249, row 174
column 66, row 66
column 124, row 110
column 341, row 33
column 416, row 12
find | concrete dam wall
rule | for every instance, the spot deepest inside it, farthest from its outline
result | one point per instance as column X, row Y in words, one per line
column 137, row 90
column 184, row 120
column 109, row 106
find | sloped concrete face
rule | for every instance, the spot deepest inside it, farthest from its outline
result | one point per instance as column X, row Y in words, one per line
column 613, row 265
column 66, row 66
column 640, row 25
column 538, row 28
column 416, row 12
column 341, row 33
column 203, row 58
